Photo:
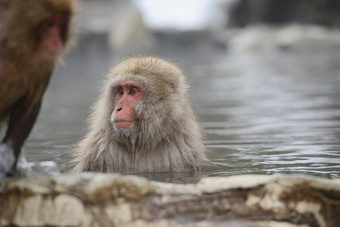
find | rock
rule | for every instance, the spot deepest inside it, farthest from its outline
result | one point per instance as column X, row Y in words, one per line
column 90, row 199
column 128, row 33
column 120, row 22
column 264, row 38
column 245, row 12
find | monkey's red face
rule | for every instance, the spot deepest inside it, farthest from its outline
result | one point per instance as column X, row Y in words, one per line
column 127, row 95
column 50, row 33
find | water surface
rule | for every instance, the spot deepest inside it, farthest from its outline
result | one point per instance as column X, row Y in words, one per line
column 261, row 113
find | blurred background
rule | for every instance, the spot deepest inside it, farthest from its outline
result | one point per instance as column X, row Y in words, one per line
column 264, row 80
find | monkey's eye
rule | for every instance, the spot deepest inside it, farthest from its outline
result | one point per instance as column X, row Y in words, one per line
column 49, row 23
column 120, row 91
column 46, row 25
column 133, row 90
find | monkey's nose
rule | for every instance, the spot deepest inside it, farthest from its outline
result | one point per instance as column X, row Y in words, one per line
column 119, row 109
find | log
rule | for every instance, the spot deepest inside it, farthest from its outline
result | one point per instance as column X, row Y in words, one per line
column 92, row 199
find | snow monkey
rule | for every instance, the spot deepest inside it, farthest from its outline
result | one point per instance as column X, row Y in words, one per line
column 142, row 122
column 32, row 34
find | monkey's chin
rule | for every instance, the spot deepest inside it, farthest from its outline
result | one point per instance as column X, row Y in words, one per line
column 48, row 56
column 123, row 124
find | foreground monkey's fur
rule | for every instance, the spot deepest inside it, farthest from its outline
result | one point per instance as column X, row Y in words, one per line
column 166, row 137
column 23, row 76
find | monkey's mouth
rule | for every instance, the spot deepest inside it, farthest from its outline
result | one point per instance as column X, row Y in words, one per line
column 48, row 55
column 123, row 123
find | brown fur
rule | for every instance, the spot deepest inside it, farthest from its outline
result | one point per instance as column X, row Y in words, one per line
column 20, row 21
column 166, row 136
column 24, row 78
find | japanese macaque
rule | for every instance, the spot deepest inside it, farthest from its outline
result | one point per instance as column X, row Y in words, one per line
column 33, row 33
column 142, row 122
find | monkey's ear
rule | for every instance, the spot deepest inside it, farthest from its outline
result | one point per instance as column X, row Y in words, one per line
column 171, row 84
column 175, row 83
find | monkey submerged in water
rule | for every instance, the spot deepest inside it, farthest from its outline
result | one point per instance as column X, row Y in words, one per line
column 32, row 35
column 142, row 122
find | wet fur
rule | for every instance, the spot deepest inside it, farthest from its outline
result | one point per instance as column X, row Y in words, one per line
column 166, row 136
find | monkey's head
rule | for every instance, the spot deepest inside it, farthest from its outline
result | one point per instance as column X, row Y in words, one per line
column 142, row 121
column 145, row 94
column 39, row 29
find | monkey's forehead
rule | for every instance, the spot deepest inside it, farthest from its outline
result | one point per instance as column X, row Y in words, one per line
column 156, row 87
column 148, row 85
column 155, row 75
column 35, row 9
column 117, row 79
column 23, row 16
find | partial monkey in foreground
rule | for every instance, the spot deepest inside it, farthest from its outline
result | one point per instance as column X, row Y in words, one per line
column 33, row 33
column 142, row 122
